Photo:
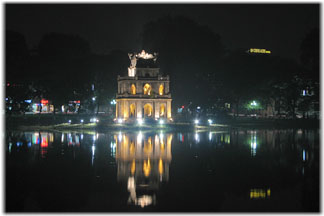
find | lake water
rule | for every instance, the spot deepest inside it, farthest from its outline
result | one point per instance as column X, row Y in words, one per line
column 219, row 171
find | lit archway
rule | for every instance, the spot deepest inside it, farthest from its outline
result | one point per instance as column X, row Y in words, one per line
column 161, row 89
column 148, row 110
column 162, row 110
column 147, row 89
column 132, row 109
column 133, row 89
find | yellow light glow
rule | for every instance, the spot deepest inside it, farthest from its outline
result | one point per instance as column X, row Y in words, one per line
column 133, row 167
column 147, row 89
column 162, row 110
column 160, row 166
column 132, row 108
column 259, row 193
column 161, row 89
column 132, row 148
column 148, row 147
column 147, row 167
column 133, row 89
column 255, row 50
column 148, row 110
column 268, row 192
column 162, row 146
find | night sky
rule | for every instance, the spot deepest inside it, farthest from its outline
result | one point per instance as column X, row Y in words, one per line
column 276, row 27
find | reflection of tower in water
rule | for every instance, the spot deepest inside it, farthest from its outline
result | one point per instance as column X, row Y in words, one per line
column 143, row 161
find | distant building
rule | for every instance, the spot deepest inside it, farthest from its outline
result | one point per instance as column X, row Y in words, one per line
column 259, row 51
column 144, row 93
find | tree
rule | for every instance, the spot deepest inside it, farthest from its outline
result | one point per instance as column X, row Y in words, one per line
column 188, row 52
column 65, row 67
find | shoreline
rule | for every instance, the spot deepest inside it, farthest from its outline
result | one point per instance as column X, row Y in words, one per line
column 59, row 123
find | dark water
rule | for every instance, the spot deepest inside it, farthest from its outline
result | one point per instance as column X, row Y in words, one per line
column 229, row 171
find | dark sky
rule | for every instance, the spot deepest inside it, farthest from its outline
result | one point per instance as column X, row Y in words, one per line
column 276, row 27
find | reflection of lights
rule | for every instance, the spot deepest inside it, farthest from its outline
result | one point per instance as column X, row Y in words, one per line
column 131, row 183
column 113, row 149
column 133, row 167
column 304, row 155
column 161, row 122
column 140, row 121
column 94, row 138
column 144, row 200
column 120, row 137
column 44, row 143
column 161, row 136
column 210, row 136
column 10, row 146
column 139, row 137
column 81, row 136
column 196, row 121
column 210, row 121
column 146, row 167
column 93, row 149
column 253, row 143
column 197, row 137
column 77, row 141
column 160, row 166
column 62, row 138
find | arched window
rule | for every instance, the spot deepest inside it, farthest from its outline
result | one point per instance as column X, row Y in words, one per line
column 146, row 167
column 162, row 110
column 148, row 110
column 132, row 110
column 147, row 89
column 133, row 89
column 161, row 89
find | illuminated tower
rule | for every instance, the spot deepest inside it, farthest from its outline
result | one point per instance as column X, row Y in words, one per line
column 144, row 93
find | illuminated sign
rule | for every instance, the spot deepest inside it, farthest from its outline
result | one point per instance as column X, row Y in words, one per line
column 263, row 51
column 259, row 193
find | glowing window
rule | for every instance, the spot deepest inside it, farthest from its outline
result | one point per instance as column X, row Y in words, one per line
column 147, row 89
column 133, row 89
column 162, row 110
column 161, row 89
column 148, row 110
column 132, row 110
